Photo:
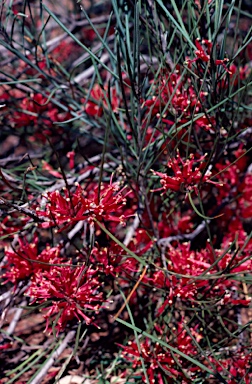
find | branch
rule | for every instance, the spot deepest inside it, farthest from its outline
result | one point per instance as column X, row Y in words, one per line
column 165, row 242
column 23, row 210
column 53, row 357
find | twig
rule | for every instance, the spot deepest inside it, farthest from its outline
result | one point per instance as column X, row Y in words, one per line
column 163, row 36
column 53, row 357
column 131, row 230
column 80, row 79
column 13, row 158
column 7, row 297
column 80, row 225
column 22, row 209
column 131, row 293
column 15, row 319
column 75, row 229
column 164, row 242
column 249, row 310
column 51, row 44
column 95, row 49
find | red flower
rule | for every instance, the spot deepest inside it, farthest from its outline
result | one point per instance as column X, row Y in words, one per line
column 69, row 292
column 97, row 103
column 70, row 156
column 104, row 203
column 186, row 177
column 203, row 53
column 25, row 262
column 160, row 362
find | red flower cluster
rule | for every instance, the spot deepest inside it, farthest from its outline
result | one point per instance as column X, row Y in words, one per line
column 24, row 262
column 237, row 365
column 203, row 53
column 183, row 292
column 177, row 95
column 69, row 293
column 162, row 365
column 102, row 204
column 192, row 266
column 35, row 110
column 186, row 176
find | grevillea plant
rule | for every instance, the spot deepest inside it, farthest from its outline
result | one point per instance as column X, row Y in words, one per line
column 126, row 191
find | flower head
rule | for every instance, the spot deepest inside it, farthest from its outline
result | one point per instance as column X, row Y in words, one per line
column 203, row 53
column 66, row 207
column 160, row 362
column 25, row 261
column 186, row 177
column 70, row 293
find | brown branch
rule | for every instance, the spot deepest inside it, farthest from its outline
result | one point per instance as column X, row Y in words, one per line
column 23, row 210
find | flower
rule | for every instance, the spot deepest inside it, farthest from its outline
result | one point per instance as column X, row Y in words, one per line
column 102, row 204
column 203, row 53
column 96, row 105
column 25, row 262
column 186, row 176
column 184, row 266
column 69, row 292
column 159, row 362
